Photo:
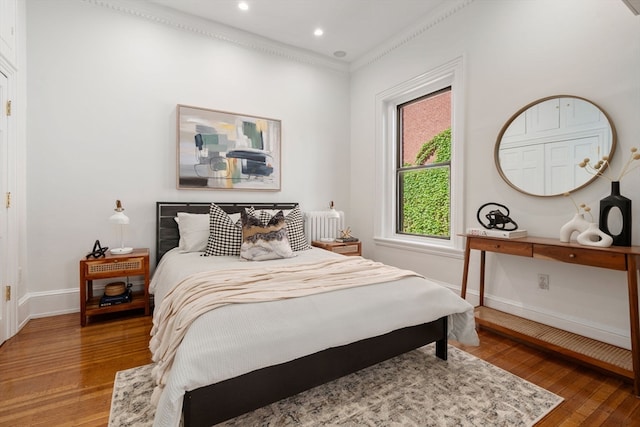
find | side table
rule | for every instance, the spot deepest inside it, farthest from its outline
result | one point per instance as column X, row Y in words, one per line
column 344, row 248
column 135, row 263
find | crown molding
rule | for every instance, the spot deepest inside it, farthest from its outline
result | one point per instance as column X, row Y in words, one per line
column 214, row 30
column 441, row 13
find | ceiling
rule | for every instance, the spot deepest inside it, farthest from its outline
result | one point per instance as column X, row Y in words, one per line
column 354, row 27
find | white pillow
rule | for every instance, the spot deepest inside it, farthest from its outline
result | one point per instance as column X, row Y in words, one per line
column 194, row 231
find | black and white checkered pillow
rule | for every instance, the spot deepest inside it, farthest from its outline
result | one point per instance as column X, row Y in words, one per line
column 225, row 235
column 295, row 230
column 295, row 227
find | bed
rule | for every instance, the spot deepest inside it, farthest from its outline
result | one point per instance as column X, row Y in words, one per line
column 240, row 357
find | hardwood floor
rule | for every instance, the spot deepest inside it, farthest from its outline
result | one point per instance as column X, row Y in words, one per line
column 55, row 373
column 591, row 398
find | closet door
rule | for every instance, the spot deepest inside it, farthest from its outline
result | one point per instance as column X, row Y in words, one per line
column 4, row 217
column 524, row 167
column 562, row 172
column 544, row 117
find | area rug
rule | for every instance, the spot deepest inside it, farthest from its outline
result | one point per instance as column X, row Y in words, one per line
column 414, row 389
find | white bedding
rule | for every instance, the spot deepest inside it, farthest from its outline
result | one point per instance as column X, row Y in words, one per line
column 237, row 339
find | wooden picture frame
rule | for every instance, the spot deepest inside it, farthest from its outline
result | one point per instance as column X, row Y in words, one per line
column 219, row 150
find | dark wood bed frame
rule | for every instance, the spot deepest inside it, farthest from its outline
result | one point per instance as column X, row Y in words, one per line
column 219, row 402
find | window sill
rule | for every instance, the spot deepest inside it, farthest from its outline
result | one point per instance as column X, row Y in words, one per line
column 415, row 246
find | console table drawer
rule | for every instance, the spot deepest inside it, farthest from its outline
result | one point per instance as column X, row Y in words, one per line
column 502, row 246
column 594, row 258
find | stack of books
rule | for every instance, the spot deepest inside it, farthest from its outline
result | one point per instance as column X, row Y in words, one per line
column 346, row 239
column 513, row 234
column 107, row 300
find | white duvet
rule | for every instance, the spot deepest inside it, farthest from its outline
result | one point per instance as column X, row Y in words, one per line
column 236, row 339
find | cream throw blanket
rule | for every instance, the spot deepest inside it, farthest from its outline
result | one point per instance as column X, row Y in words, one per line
column 209, row 290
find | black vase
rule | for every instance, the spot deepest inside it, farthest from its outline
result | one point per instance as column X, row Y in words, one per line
column 611, row 202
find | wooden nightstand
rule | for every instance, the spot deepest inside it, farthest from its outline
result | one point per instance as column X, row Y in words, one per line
column 134, row 264
column 347, row 248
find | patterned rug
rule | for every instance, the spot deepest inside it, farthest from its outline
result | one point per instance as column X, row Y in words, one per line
column 414, row 389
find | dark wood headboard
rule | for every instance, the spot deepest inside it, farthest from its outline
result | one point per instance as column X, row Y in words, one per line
column 167, row 235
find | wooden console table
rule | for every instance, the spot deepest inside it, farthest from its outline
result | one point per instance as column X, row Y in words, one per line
column 622, row 258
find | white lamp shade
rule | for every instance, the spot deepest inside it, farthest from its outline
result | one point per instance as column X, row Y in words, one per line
column 119, row 218
column 333, row 214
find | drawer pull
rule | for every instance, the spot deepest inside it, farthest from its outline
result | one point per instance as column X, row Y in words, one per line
column 496, row 246
column 572, row 255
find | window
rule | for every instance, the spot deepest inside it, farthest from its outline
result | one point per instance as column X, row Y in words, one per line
column 423, row 166
column 419, row 166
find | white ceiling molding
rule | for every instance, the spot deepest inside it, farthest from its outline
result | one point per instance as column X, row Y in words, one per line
column 159, row 14
column 170, row 17
column 447, row 9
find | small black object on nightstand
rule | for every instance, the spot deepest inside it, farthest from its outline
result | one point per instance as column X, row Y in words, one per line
column 98, row 251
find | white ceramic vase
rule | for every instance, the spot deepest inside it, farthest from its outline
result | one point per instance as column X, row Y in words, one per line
column 577, row 224
column 593, row 236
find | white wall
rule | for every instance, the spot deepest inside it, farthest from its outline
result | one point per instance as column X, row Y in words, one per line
column 102, row 90
column 516, row 52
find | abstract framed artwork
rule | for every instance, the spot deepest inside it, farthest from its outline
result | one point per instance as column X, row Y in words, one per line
column 218, row 150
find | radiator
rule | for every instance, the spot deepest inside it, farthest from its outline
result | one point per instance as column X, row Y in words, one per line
column 318, row 225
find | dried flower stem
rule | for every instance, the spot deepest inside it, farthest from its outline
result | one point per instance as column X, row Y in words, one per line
column 582, row 206
column 598, row 169
column 625, row 170
column 567, row 194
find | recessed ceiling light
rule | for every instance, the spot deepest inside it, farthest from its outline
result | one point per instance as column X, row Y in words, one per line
column 243, row 5
column 318, row 32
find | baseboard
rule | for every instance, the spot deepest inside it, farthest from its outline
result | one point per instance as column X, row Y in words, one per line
column 580, row 326
column 53, row 303
column 63, row 301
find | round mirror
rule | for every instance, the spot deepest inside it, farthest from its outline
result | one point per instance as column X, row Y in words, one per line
column 538, row 150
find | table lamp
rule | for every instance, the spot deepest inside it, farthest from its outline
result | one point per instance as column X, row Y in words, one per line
column 333, row 213
column 332, row 216
column 121, row 220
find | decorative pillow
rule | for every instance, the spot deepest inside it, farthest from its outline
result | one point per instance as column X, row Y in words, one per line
column 225, row 233
column 261, row 241
column 194, row 231
column 295, row 227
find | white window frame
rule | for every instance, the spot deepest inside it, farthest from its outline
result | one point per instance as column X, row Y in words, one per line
column 385, row 218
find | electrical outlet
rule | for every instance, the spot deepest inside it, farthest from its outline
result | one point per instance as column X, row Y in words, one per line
column 543, row 281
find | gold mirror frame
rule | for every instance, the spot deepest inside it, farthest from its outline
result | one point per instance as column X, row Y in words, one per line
column 521, row 115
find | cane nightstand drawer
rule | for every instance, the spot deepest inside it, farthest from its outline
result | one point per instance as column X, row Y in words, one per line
column 347, row 249
column 131, row 265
